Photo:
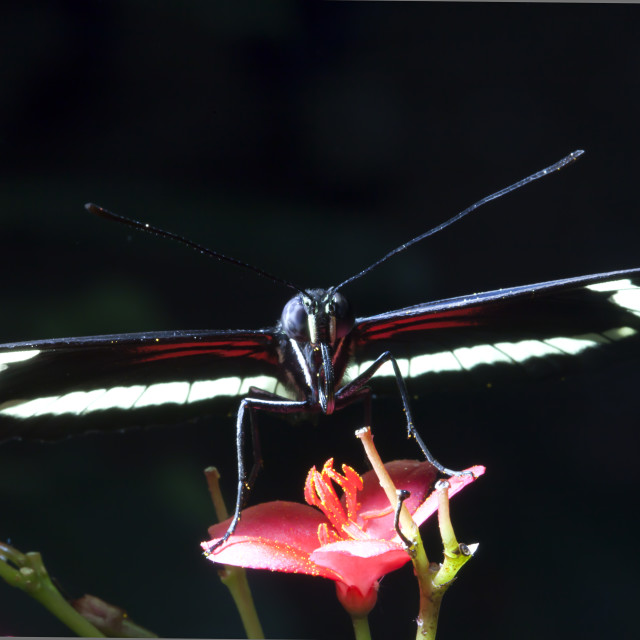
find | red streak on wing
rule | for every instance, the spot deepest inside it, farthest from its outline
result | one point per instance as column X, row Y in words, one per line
column 221, row 349
column 389, row 330
column 429, row 321
column 221, row 353
column 218, row 344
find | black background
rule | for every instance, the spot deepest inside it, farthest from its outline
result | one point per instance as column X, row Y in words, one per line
column 309, row 139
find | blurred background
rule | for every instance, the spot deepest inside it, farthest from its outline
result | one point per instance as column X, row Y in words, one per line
column 309, row 139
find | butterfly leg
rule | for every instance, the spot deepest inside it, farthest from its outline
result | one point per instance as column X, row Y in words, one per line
column 354, row 388
column 277, row 405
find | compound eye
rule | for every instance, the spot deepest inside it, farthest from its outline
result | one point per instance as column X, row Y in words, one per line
column 295, row 321
column 345, row 317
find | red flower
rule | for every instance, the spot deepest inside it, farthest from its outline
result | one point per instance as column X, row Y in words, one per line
column 350, row 540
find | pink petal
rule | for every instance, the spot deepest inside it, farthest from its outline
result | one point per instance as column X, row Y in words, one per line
column 376, row 513
column 288, row 523
column 261, row 553
column 457, row 483
column 360, row 563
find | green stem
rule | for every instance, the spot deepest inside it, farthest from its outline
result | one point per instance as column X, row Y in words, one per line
column 361, row 629
column 26, row 571
column 52, row 600
column 455, row 555
column 430, row 601
column 437, row 579
column 234, row 578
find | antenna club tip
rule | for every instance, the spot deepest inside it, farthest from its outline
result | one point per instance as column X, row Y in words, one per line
column 98, row 211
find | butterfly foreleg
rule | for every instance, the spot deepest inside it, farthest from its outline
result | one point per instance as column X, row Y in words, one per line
column 277, row 405
column 357, row 384
column 258, row 463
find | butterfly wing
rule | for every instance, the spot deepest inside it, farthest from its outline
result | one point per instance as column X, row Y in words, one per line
column 539, row 329
column 54, row 388
column 59, row 387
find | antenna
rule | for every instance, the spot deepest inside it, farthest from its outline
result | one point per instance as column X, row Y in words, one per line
column 143, row 226
column 572, row 157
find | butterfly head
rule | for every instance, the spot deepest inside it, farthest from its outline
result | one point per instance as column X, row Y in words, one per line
column 319, row 316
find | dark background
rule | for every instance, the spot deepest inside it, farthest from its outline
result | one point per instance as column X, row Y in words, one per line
column 309, row 139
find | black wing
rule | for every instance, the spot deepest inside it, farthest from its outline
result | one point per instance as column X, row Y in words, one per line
column 545, row 328
column 54, row 388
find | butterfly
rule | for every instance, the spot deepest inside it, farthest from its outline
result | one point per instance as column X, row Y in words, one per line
column 319, row 357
